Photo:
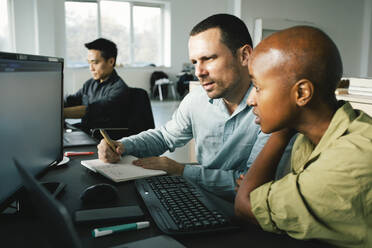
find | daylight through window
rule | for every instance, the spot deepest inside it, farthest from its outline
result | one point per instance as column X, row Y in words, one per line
column 5, row 42
column 136, row 28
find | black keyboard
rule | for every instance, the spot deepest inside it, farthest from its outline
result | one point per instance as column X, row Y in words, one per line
column 180, row 207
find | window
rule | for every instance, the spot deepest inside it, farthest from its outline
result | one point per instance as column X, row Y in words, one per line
column 5, row 32
column 115, row 21
column 81, row 28
column 147, row 23
column 135, row 27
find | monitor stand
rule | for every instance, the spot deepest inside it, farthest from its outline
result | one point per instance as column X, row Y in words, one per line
column 22, row 205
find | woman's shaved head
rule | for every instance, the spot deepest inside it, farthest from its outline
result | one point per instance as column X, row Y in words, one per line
column 304, row 52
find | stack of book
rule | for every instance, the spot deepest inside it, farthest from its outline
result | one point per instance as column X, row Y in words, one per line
column 360, row 86
column 342, row 87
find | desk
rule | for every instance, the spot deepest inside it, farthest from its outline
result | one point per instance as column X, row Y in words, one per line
column 24, row 231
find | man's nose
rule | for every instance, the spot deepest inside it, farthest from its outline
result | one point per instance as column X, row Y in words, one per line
column 200, row 71
column 251, row 101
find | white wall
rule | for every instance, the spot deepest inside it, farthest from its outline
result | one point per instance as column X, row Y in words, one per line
column 40, row 29
column 370, row 58
column 24, row 26
column 342, row 20
column 44, row 31
column 366, row 37
column 185, row 14
column 366, row 68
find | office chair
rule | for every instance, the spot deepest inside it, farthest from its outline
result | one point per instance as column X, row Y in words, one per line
column 164, row 81
column 141, row 117
column 156, row 89
column 138, row 116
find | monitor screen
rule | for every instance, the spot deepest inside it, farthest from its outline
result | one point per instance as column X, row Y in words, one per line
column 31, row 114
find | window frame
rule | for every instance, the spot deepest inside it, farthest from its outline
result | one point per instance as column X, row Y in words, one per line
column 10, row 13
column 164, row 6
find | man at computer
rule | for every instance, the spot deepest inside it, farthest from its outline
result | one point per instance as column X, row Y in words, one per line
column 100, row 99
column 328, row 194
column 215, row 115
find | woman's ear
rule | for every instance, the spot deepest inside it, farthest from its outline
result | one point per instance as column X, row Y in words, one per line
column 304, row 91
column 245, row 54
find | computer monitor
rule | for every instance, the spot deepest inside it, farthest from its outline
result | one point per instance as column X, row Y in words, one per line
column 31, row 117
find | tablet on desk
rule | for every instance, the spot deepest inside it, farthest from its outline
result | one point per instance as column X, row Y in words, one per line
column 77, row 138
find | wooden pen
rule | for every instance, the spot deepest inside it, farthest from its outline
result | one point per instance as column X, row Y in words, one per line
column 108, row 139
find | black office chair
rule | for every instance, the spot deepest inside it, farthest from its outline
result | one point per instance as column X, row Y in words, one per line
column 138, row 116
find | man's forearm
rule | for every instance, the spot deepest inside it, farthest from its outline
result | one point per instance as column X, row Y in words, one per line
column 262, row 171
column 74, row 112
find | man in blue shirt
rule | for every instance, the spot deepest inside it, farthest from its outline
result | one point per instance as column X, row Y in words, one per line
column 216, row 115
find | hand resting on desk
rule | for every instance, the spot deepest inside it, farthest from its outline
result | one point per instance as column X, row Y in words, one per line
column 161, row 163
column 107, row 155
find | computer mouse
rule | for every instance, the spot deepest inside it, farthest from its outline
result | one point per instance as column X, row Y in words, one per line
column 99, row 193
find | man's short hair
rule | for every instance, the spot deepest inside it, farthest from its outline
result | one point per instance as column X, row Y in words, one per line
column 107, row 48
column 234, row 33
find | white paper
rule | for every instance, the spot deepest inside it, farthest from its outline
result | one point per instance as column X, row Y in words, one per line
column 121, row 171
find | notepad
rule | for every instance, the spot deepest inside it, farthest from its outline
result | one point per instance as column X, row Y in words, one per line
column 121, row 171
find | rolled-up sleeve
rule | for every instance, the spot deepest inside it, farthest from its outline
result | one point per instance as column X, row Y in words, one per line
column 311, row 205
column 193, row 172
column 261, row 209
column 282, row 206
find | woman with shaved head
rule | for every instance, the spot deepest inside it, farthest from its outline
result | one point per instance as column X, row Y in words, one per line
column 328, row 193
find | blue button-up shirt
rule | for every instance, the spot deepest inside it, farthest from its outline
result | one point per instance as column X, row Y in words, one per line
column 225, row 145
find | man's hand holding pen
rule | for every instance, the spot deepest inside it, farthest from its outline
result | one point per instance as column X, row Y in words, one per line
column 106, row 154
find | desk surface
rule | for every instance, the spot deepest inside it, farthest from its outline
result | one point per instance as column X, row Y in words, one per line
column 24, row 231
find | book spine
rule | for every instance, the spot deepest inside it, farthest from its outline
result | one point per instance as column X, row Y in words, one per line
column 363, row 89
column 360, row 82
column 361, row 93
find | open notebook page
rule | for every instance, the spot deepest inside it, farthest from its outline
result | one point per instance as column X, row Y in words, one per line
column 121, row 171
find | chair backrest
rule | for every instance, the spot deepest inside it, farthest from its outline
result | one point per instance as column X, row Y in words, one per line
column 140, row 114
column 154, row 90
column 136, row 113
column 183, row 83
column 163, row 81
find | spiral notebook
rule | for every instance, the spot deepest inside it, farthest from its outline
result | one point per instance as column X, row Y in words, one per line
column 122, row 171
